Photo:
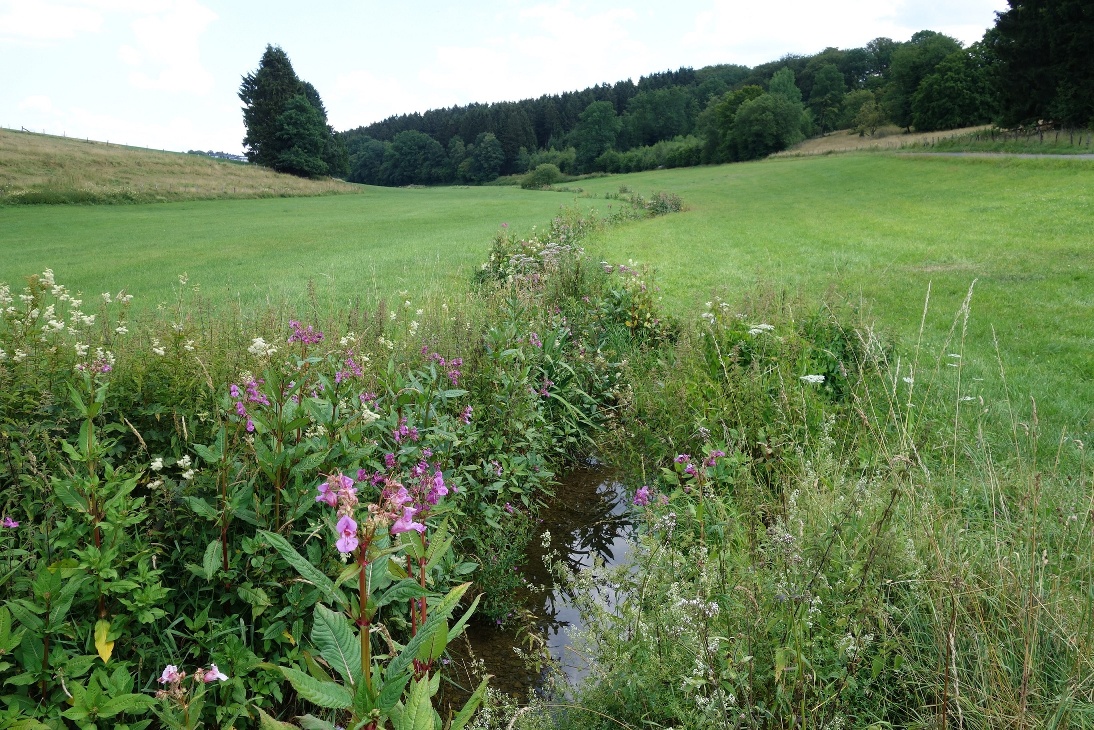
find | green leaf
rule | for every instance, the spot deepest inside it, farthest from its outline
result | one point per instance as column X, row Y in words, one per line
column 69, row 496
column 310, row 722
column 456, row 630
column 265, row 722
column 202, row 508
column 257, row 597
column 214, row 556
column 207, row 455
column 64, row 601
column 404, row 590
column 438, row 614
column 332, row 635
column 464, row 715
column 324, row 694
column 132, row 703
column 392, row 692
column 304, row 567
column 310, row 463
column 432, row 649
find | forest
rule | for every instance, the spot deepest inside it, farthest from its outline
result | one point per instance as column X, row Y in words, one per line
column 1032, row 68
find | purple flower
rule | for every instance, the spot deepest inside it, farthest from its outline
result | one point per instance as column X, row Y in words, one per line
column 9, row 522
column 171, row 675
column 241, row 410
column 213, row 674
column 233, row 389
column 305, row 336
column 250, row 426
column 347, row 534
column 680, row 459
column 406, row 522
column 466, row 416
column 533, row 340
column 690, row 469
column 389, row 461
column 642, row 496
column 438, row 490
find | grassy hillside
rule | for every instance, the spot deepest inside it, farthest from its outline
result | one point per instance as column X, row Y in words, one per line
column 38, row 168
column 887, row 138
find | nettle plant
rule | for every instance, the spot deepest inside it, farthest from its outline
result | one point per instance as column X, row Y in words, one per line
column 382, row 459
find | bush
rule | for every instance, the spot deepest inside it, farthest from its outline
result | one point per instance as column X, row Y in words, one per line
column 542, row 176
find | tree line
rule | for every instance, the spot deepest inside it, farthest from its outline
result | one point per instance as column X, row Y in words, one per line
column 1035, row 66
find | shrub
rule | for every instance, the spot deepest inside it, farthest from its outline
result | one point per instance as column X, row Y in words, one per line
column 542, row 176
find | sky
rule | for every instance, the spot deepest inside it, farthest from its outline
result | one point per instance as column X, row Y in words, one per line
column 165, row 73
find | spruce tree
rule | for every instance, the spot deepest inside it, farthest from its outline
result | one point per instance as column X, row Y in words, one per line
column 265, row 94
column 286, row 121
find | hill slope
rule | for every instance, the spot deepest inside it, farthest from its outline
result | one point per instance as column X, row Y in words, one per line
column 38, row 168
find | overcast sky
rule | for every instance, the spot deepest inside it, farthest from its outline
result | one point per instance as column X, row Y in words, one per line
column 165, row 73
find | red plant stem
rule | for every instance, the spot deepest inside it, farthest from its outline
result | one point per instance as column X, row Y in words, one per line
column 413, row 602
column 363, row 624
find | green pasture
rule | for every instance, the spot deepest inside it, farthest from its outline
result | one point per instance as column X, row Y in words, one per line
column 878, row 229
column 885, row 229
column 354, row 247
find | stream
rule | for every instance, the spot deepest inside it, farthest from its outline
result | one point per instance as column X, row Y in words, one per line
column 588, row 519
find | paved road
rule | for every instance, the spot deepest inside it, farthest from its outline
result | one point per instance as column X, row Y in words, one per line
column 1000, row 154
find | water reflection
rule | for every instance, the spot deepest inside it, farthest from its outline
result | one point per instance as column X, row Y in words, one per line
column 588, row 520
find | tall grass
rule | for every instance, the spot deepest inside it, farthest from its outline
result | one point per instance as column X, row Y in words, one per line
column 37, row 169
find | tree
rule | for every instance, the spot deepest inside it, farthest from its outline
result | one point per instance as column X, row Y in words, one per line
column 911, row 63
column 766, row 124
column 957, row 94
column 595, row 133
column 413, row 158
column 486, row 159
column 301, row 138
column 268, row 94
column 1046, row 61
column 782, row 82
column 826, row 97
column 265, row 93
column 716, row 123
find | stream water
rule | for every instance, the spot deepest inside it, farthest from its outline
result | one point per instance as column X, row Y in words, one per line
column 588, row 519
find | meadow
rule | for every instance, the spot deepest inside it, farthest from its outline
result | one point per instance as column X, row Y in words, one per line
column 861, row 483
column 886, row 231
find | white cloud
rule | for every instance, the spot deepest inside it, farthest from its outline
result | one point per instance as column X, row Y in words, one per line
column 29, row 20
column 558, row 48
column 361, row 97
column 38, row 103
column 167, row 51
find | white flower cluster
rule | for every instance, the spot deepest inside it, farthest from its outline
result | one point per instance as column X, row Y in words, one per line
column 260, row 348
column 158, row 348
column 812, row 379
column 759, row 329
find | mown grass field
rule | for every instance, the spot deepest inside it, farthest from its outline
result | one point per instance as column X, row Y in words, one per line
column 885, row 230
column 879, row 229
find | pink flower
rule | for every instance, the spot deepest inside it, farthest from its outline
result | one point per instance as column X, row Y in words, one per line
column 171, row 675
column 9, row 522
column 347, row 534
column 327, row 495
column 642, row 497
column 406, row 522
column 212, row 674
